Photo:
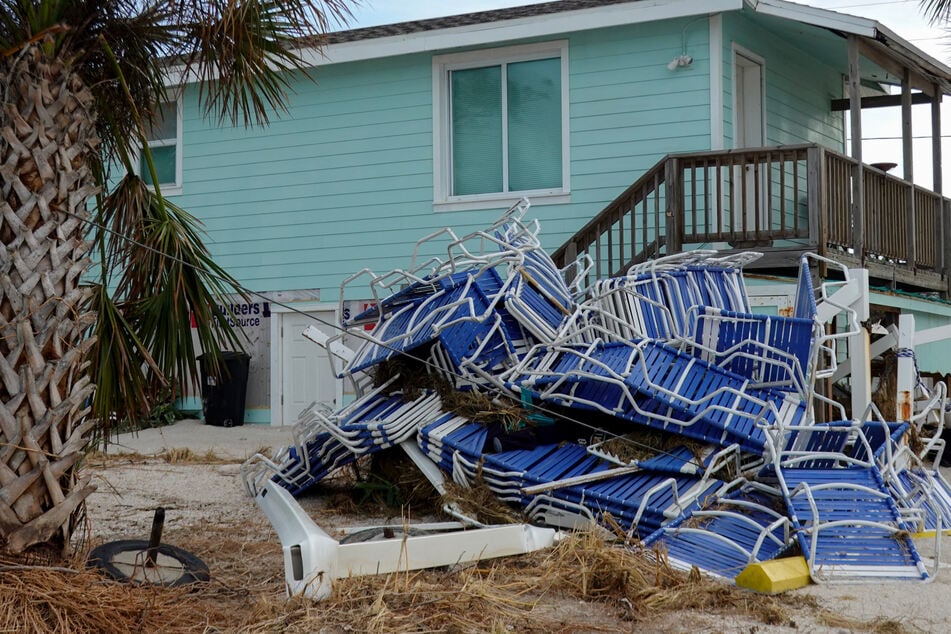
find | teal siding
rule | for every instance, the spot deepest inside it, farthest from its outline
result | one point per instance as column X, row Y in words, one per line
column 799, row 88
column 344, row 180
column 329, row 187
column 628, row 110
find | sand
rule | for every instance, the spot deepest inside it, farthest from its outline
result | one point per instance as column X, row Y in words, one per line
column 198, row 494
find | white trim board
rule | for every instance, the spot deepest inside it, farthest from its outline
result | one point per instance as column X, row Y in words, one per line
column 825, row 18
column 716, row 82
column 519, row 28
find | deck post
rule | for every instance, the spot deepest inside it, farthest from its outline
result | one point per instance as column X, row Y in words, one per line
column 857, row 209
column 946, row 242
column 814, row 197
column 675, row 206
column 911, row 255
column 936, row 140
column 571, row 254
column 905, row 375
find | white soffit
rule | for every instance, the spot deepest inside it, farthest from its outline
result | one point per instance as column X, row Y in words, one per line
column 851, row 24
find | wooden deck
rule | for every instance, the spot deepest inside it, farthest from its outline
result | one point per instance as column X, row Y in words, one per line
column 782, row 201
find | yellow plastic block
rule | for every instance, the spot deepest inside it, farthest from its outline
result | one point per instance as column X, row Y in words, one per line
column 775, row 575
column 927, row 534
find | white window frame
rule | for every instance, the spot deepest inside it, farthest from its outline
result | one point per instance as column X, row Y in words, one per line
column 442, row 133
column 170, row 189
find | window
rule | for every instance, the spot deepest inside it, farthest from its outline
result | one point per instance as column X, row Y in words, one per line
column 501, row 125
column 165, row 143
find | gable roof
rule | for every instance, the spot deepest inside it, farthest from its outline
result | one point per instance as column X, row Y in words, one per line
column 467, row 19
column 564, row 16
column 501, row 25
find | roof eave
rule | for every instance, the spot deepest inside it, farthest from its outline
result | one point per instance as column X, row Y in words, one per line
column 513, row 29
column 903, row 51
column 816, row 17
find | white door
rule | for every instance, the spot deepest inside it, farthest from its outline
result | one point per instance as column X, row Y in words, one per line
column 306, row 374
column 749, row 125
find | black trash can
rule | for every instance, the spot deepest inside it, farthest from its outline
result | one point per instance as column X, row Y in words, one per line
column 223, row 391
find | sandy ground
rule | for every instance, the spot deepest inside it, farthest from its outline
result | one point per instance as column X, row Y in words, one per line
column 207, row 496
column 229, row 442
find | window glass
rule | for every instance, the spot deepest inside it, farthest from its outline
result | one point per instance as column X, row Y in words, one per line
column 163, row 142
column 163, row 157
column 501, row 124
column 476, row 130
column 534, row 124
column 166, row 125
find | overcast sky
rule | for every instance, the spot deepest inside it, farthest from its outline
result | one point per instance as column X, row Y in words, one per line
column 902, row 16
column 879, row 126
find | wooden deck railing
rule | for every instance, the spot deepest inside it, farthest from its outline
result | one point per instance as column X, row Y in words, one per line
column 767, row 198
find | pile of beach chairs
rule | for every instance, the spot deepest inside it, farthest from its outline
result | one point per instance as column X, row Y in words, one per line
column 655, row 404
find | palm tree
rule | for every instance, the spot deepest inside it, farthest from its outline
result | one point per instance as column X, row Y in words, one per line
column 81, row 82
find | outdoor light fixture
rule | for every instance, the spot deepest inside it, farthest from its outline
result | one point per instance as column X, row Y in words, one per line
column 680, row 61
column 683, row 60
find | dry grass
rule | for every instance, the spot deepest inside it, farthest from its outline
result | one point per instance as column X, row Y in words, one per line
column 43, row 599
column 532, row 593
column 414, row 377
column 875, row 626
column 582, row 584
column 171, row 455
column 408, row 486
column 479, row 407
column 642, row 444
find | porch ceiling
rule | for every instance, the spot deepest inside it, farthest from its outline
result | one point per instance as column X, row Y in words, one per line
column 825, row 34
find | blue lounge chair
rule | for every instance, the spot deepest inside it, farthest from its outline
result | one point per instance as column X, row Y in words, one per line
column 728, row 533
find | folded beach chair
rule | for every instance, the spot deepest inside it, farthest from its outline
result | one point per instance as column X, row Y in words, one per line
column 380, row 422
column 771, row 351
column 298, row 466
column 848, row 525
column 727, row 533
column 538, row 297
column 449, row 434
column 843, row 514
column 656, row 385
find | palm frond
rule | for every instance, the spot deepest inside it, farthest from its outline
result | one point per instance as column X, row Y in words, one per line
column 116, row 360
column 166, row 280
column 156, row 275
column 241, row 52
column 937, row 11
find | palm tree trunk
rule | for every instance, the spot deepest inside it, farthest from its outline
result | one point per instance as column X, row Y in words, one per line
column 48, row 142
